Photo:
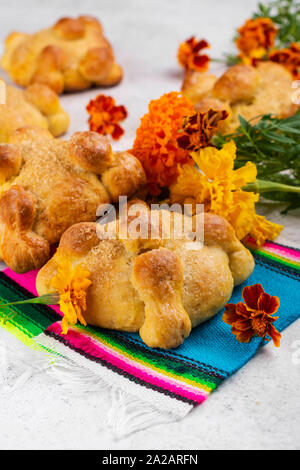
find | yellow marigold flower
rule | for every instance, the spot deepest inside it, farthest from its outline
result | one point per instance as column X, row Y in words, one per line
column 220, row 188
column 263, row 230
column 71, row 284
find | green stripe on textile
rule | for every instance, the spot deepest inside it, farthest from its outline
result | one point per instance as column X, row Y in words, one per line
column 278, row 259
column 162, row 362
column 25, row 322
column 33, row 318
column 17, row 324
column 14, row 317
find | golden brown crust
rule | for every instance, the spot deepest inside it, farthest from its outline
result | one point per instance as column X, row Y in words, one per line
column 69, row 56
column 64, row 180
column 218, row 232
column 97, row 63
column 70, row 28
column 17, row 209
column 197, row 85
column 125, row 176
column 36, row 106
column 158, row 286
column 45, row 99
column 247, row 91
column 50, row 63
column 211, row 103
column 79, row 239
column 91, row 151
column 238, row 83
column 275, row 88
column 158, row 277
column 21, row 248
column 10, row 161
column 27, row 134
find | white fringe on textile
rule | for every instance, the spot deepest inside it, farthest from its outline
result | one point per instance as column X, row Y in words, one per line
column 18, row 363
column 133, row 407
column 129, row 414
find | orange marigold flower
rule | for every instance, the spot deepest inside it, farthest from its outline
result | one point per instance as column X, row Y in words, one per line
column 105, row 116
column 255, row 38
column 199, row 129
column 189, row 54
column 156, row 143
column 254, row 317
column 289, row 58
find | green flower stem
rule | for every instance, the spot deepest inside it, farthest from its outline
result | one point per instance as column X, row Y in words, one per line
column 219, row 61
column 263, row 186
column 47, row 299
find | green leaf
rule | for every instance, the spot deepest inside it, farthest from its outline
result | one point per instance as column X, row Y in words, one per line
column 273, row 144
column 285, row 14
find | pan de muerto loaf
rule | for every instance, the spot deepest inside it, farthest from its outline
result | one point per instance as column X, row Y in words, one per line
column 160, row 287
column 69, row 56
column 47, row 185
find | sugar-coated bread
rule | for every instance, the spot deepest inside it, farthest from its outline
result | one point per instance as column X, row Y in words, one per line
column 161, row 285
column 243, row 90
column 48, row 184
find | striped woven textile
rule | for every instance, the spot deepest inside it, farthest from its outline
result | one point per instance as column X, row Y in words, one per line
column 172, row 381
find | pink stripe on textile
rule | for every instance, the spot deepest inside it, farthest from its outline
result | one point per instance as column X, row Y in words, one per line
column 85, row 344
column 28, row 282
column 138, row 365
column 283, row 251
column 25, row 280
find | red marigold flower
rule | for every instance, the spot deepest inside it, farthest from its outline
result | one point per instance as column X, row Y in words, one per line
column 289, row 58
column 199, row 129
column 255, row 38
column 254, row 317
column 156, row 143
column 189, row 54
column 105, row 116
